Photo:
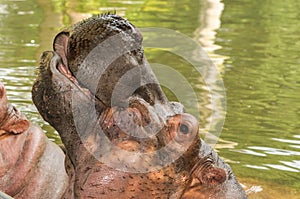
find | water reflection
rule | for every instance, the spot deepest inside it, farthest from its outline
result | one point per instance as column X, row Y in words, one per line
column 213, row 107
column 206, row 34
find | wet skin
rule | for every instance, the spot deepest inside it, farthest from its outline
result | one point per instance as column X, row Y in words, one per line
column 29, row 161
column 123, row 138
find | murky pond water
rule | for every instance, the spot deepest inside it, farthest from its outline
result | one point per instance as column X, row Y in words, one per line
column 255, row 45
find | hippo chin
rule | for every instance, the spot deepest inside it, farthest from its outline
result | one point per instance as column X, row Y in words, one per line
column 123, row 138
column 29, row 162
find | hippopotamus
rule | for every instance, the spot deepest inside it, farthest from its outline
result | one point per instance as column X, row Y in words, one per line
column 122, row 136
column 29, row 162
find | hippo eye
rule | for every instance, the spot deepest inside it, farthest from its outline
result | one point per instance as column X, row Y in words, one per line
column 184, row 129
column 184, row 132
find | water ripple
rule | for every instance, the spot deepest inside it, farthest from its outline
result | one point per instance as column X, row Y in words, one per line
column 294, row 163
column 250, row 152
column 287, row 141
column 281, row 167
column 274, row 151
column 256, row 167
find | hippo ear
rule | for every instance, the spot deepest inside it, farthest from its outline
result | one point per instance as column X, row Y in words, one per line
column 16, row 127
column 207, row 173
column 16, row 123
column 60, row 45
column 11, row 120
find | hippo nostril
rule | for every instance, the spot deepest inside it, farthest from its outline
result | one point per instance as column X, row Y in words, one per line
column 184, row 129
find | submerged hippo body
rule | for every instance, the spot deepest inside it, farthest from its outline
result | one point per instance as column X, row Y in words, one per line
column 123, row 138
column 29, row 162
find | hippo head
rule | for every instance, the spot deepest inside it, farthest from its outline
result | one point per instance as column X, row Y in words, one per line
column 122, row 136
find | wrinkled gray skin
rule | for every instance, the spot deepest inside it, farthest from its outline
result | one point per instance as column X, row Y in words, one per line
column 81, row 91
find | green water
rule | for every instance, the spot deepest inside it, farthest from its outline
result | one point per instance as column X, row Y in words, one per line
column 255, row 45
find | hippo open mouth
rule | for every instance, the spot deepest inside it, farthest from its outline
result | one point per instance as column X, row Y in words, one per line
column 123, row 138
column 133, row 108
